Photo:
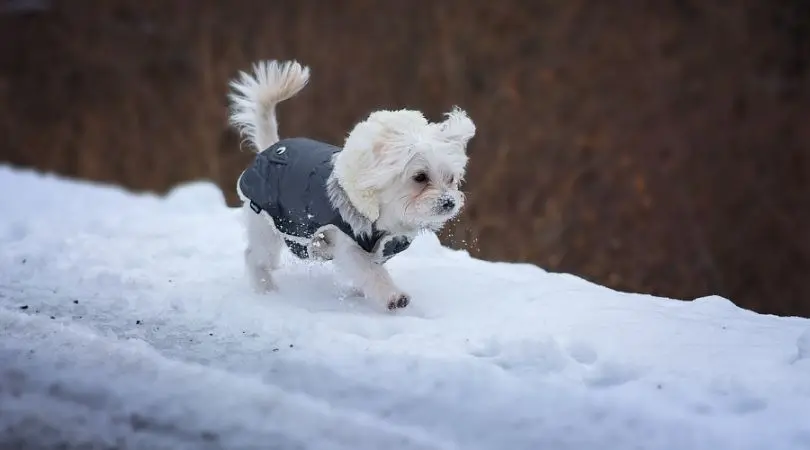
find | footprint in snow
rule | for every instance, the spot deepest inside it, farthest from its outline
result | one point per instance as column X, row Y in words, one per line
column 802, row 347
column 536, row 356
column 611, row 374
column 732, row 396
column 581, row 352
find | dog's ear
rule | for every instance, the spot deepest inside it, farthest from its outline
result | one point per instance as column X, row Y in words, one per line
column 457, row 127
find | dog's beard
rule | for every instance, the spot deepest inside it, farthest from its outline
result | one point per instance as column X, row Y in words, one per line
column 405, row 210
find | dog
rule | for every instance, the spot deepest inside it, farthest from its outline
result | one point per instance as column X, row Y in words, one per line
column 396, row 175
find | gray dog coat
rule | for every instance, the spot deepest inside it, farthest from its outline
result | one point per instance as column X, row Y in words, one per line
column 287, row 181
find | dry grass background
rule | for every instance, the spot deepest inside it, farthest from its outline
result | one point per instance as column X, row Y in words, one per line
column 653, row 146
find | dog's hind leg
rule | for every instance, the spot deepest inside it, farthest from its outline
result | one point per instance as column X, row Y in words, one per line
column 263, row 251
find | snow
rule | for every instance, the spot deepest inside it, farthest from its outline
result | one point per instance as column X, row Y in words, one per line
column 126, row 322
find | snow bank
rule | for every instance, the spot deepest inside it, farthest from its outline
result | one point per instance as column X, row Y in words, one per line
column 126, row 322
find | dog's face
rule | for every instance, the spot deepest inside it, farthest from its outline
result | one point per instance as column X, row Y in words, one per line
column 404, row 172
column 423, row 191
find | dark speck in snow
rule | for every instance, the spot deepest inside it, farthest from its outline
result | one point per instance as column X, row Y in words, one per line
column 137, row 322
column 210, row 334
column 75, row 302
column 53, row 317
column 291, row 346
column 24, row 307
column 209, row 436
column 275, row 349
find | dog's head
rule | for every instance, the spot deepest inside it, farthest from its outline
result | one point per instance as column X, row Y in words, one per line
column 403, row 172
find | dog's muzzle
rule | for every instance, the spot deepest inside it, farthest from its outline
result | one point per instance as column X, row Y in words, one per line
column 445, row 204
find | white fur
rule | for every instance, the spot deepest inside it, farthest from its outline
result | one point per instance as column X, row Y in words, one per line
column 376, row 179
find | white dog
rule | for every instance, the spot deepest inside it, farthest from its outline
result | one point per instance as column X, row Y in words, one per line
column 396, row 175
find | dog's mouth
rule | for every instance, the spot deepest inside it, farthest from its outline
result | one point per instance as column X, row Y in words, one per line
column 441, row 216
column 444, row 215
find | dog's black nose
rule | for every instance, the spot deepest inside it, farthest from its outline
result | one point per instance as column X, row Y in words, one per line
column 447, row 203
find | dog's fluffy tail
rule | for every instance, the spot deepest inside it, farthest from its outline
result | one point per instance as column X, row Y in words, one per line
column 255, row 96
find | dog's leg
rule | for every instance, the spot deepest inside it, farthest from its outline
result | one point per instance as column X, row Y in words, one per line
column 263, row 252
column 373, row 279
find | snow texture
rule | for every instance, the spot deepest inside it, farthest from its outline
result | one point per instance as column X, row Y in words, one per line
column 126, row 321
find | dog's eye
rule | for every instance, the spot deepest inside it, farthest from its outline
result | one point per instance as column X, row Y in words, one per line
column 420, row 177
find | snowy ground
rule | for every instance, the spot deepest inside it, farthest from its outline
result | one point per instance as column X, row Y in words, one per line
column 126, row 322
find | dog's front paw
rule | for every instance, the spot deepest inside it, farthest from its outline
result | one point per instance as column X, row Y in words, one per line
column 399, row 300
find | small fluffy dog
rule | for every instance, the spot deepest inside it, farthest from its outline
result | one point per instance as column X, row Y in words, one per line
column 396, row 175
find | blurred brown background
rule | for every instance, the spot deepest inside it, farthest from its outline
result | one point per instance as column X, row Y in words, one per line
column 652, row 146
